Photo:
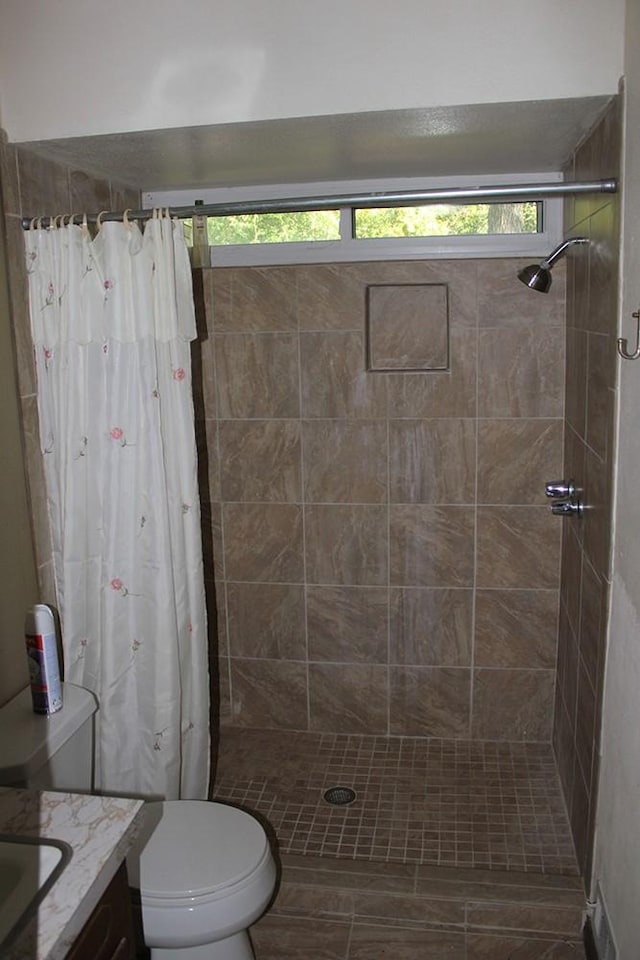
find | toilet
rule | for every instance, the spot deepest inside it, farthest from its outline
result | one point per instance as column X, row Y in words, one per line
column 204, row 870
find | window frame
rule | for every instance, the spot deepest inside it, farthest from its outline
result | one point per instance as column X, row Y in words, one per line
column 351, row 249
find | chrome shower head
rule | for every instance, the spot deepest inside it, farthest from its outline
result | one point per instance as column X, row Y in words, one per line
column 537, row 276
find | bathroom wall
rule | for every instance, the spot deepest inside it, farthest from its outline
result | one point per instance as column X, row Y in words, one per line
column 216, row 62
column 617, row 841
column 33, row 186
column 383, row 556
column 592, row 313
column 17, row 568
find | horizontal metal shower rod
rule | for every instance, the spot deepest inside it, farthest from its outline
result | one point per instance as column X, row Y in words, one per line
column 513, row 192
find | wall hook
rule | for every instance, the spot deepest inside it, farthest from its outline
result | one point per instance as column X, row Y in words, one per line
column 623, row 344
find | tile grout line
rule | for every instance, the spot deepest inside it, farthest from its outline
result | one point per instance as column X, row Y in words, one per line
column 388, row 555
column 222, row 503
column 475, row 526
column 303, row 503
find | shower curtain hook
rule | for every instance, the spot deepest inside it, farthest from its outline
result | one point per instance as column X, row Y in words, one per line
column 623, row 343
column 99, row 218
column 125, row 217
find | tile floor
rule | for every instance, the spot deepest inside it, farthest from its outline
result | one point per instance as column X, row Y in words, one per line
column 449, row 803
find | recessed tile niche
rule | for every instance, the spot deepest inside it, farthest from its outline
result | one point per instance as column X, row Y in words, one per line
column 407, row 326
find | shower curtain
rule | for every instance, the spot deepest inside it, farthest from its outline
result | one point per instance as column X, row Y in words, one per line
column 112, row 319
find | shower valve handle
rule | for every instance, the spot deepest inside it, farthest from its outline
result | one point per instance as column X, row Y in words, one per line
column 560, row 489
column 567, row 508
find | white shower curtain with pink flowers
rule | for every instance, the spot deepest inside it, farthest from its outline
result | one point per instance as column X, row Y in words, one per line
column 112, row 319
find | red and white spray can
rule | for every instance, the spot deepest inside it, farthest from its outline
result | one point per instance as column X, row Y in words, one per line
column 42, row 651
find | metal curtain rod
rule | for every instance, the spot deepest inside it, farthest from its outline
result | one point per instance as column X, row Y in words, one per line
column 513, row 192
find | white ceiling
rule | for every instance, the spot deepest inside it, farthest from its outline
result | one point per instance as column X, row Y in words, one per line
column 477, row 139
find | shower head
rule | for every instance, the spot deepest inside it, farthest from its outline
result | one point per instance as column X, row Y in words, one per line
column 537, row 276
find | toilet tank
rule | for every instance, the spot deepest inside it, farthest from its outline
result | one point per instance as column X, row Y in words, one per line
column 48, row 752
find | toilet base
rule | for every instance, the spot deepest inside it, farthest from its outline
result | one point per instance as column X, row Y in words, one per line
column 236, row 947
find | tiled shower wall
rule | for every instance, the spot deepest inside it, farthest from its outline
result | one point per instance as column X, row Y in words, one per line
column 34, row 186
column 592, row 299
column 384, row 559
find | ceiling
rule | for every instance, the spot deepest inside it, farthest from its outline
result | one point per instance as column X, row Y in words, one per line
column 475, row 140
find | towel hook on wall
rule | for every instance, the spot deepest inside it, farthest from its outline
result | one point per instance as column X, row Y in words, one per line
column 623, row 343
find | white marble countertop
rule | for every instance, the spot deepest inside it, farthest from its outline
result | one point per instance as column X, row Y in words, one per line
column 100, row 831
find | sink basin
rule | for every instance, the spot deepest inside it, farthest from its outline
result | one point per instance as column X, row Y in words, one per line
column 28, row 869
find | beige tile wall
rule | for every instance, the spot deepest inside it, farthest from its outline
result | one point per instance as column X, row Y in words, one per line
column 384, row 558
column 592, row 298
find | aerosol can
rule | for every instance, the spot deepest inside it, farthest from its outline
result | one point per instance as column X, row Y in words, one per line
column 42, row 651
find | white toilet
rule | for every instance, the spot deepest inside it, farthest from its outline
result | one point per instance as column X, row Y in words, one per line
column 204, row 870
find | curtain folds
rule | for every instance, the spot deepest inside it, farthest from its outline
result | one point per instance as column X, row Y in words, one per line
column 112, row 319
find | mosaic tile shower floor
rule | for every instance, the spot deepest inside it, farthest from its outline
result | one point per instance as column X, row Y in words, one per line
column 449, row 803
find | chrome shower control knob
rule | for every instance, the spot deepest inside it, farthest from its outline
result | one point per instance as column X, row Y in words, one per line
column 560, row 489
column 567, row 508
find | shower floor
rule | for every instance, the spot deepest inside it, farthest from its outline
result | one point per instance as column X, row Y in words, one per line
column 449, row 803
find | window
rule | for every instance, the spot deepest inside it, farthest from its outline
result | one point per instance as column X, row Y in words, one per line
column 302, row 227
column 354, row 233
column 259, row 228
column 448, row 220
column 441, row 220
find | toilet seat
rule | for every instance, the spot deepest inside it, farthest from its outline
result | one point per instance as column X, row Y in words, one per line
column 194, row 851
column 205, row 873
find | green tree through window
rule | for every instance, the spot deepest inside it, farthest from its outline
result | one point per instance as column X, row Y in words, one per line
column 275, row 227
column 381, row 223
column 447, row 220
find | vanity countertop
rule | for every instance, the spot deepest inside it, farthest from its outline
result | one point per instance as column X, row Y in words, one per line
column 100, row 831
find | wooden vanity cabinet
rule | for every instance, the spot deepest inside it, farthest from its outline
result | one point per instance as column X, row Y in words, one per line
column 108, row 933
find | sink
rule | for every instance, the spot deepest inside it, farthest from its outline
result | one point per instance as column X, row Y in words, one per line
column 28, row 869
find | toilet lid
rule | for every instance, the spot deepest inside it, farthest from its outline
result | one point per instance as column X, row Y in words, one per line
column 189, row 848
